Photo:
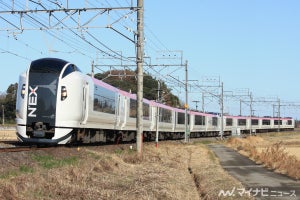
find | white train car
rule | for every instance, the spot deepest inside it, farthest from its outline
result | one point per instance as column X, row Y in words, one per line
column 58, row 104
column 45, row 111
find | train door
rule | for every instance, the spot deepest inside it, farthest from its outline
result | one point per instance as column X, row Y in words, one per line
column 117, row 115
column 121, row 112
column 85, row 100
column 173, row 120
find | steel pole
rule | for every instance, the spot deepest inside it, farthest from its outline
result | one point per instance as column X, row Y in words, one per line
column 157, row 114
column 222, row 110
column 186, row 104
column 3, row 115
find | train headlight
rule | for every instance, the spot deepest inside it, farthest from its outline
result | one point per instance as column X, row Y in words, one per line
column 23, row 91
column 64, row 93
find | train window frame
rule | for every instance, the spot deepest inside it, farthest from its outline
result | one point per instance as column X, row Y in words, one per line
column 214, row 121
column 199, row 120
column 68, row 70
column 254, row 122
column 180, row 118
column 266, row 122
column 132, row 108
column 165, row 115
column 146, row 111
column 104, row 100
column 47, row 65
column 276, row 122
column 242, row 122
column 229, row 121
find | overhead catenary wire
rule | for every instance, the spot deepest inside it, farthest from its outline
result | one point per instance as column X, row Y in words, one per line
column 43, row 24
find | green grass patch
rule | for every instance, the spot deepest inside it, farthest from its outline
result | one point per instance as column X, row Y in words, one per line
column 9, row 174
column 93, row 155
column 49, row 162
column 26, row 169
column 23, row 169
column 118, row 151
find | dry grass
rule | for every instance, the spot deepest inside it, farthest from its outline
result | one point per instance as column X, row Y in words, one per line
column 276, row 157
column 8, row 135
column 270, row 151
column 209, row 176
column 172, row 171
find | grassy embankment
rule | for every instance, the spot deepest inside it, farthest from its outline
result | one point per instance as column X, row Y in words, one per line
column 172, row 171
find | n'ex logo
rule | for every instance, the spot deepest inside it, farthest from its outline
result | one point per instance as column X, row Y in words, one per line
column 32, row 101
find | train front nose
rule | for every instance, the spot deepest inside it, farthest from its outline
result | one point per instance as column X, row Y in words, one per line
column 41, row 108
column 38, row 103
column 40, row 130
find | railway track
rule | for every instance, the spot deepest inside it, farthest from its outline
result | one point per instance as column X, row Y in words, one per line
column 15, row 146
column 16, row 149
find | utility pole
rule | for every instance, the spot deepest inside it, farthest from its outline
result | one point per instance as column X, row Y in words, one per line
column 187, row 132
column 203, row 102
column 251, row 99
column 222, row 110
column 278, row 115
column 3, row 115
column 93, row 69
column 240, row 107
column 157, row 113
column 139, row 61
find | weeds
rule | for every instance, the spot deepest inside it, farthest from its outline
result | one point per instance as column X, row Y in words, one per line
column 274, row 157
column 49, row 162
column 23, row 169
column 160, row 173
column 211, row 156
column 9, row 174
column 26, row 169
column 204, row 142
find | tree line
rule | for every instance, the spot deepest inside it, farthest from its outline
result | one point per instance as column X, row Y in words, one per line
column 8, row 104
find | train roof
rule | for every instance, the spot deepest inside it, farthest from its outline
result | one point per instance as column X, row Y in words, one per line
column 208, row 114
column 46, row 65
column 50, row 65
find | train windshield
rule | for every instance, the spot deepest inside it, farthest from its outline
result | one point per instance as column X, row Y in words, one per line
column 42, row 90
column 47, row 65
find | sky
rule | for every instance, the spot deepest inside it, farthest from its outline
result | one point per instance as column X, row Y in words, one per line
column 249, row 45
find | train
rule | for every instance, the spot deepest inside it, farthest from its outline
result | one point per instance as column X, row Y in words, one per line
column 58, row 104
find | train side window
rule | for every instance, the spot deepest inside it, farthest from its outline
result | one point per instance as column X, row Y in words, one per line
column 165, row 115
column 229, row 122
column 254, row 122
column 277, row 121
column 199, row 120
column 104, row 100
column 214, row 121
column 180, row 118
column 69, row 70
column 146, row 111
column 242, row 122
column 133, row 107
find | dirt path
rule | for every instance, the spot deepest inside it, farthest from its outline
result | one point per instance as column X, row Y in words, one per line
column 261, row 182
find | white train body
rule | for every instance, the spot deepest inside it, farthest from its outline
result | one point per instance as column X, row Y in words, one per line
column 57, row 104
